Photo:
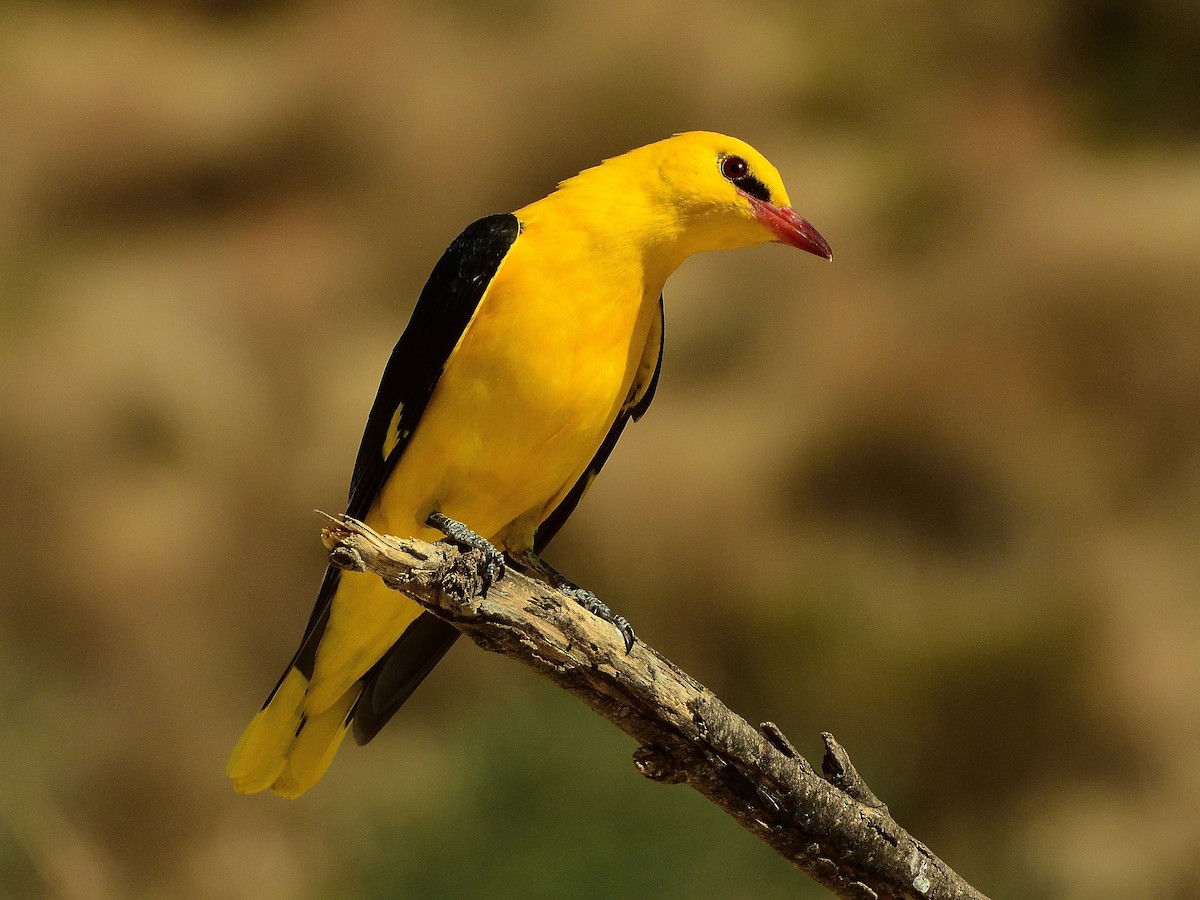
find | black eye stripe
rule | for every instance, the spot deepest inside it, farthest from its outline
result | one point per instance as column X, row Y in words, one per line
column 754, row 188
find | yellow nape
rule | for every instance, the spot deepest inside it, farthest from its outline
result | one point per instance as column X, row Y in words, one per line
column 314, row 747
column 262, row 750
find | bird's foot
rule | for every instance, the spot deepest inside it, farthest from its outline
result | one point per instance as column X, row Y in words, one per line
column 537, row 566
column 599, row 608
column 493, row 563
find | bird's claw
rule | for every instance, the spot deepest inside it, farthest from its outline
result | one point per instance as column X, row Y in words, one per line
column 492, row 565
column 599, row 608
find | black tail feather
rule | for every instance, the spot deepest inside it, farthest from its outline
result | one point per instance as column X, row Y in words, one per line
column 391, row 680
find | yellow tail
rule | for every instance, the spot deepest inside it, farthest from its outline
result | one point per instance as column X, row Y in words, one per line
column 289, row 744
column 285, row 750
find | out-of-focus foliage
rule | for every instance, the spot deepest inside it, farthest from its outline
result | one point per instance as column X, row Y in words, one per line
column 941, row 498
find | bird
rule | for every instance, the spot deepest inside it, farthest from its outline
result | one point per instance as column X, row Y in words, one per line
column 536, row 339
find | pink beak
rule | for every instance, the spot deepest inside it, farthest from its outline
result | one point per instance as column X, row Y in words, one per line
column 789, row 227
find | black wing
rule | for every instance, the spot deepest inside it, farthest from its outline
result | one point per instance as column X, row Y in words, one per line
column 640, row 395
column 445, row 308
column 443, row 311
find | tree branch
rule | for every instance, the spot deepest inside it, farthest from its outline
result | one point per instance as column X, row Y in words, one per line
column 834, row 829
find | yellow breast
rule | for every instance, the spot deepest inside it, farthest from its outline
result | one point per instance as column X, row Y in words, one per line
column 529, row 393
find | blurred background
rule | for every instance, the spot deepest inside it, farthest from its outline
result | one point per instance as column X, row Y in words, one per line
column 941, row 498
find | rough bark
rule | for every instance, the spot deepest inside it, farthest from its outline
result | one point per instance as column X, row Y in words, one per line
column 831, row 827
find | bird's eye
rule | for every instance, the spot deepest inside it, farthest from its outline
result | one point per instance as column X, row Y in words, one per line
column 734, row 167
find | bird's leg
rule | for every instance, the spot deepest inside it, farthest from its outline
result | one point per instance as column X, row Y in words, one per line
column 456, row 532
column 535, row 565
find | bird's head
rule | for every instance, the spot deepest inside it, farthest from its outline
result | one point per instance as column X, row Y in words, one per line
column 728, row 195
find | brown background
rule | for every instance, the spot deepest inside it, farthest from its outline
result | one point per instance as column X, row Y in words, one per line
column 941, row 498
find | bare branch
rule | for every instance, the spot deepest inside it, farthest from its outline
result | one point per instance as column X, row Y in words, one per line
column 835, row 830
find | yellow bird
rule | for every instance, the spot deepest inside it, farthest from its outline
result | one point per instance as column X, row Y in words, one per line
column 538, row 336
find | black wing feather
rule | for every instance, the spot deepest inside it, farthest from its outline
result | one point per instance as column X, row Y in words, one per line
column 443, row 311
